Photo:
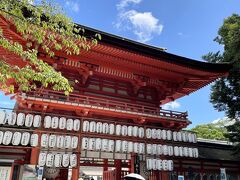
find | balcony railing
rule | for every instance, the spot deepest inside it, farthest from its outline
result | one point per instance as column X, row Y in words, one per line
column 104, row 103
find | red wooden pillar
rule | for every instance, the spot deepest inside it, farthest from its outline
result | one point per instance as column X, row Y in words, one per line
column 132, row 168
column 75, row 173
column 105, row 164
column 118, row 168
column 164, row 175
column 34, row 156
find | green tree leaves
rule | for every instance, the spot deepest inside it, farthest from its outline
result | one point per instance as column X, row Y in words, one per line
column 44, row 28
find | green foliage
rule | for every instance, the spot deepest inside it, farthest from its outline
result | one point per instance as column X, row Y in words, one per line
column 210, row 131
column 234, row 135
column 225, row 94
column 43, row 27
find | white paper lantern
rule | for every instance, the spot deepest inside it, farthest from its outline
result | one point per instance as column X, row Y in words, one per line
column 42, row 159
column 92, row 126
column 86, row 126
column 7, row 137
column 12, row 121
column 190, row 152
column 154, row 164
column 130, row 130
column 154, row 149
column 170, row 165
column 74, row 142
column 180, row 149
column 2, row 117
column 8, row 118
column 141, row 132
column 185, row 151
column 169, row 135
column 99, row 127
column 49, row 160
column 154, row 134
column 184, row 137
column 190, row 137
column 1, row 137
column 175, row 136
column 149, row 164
column 124, row 146
column 67, row 142
column 164, row 134
column 25, row 138
column 92, row 144
column 110, row 145
column 104, row 144
column 148, row 133
column 44, row 140
column 136, row 147
column 85, row 143
column 170, row 150
column 73, row 160
column 37, row 121
column 159, row 164
column 57, row 160
column 29, row 120
column 20, row 119
column 47, row 121
column 124, row 130
column 105, row 129
column 118, row 130
column 76, row 125
column 135, row 131
column 159, row 149
column 54, row 122
column 16, row 139
column 176, row 151
column 179, row 136
column 165, row 165
column 111, row 129
column 34, row 140
column 195, row 153
column 65, row 160
column 165, row 150
column 159, row 134
column 62, row 123
column 118, row 146
column 130, row 146
column 98, row 144
column 52, row 140
column 69, row 125
column 194, row 138
column 149, row 149
column 60, row 142
column 141, row 148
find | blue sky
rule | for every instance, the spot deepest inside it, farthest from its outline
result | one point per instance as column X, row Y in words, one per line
column 184, row 27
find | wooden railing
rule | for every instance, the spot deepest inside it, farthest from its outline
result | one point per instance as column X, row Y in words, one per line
column 106, row 103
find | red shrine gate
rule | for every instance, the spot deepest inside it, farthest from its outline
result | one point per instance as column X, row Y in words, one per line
column 113, row 118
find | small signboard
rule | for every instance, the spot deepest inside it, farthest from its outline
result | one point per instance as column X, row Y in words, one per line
column 180, row 177
column 223, row 174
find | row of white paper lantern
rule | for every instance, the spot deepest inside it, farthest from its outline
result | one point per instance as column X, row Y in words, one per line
column 105, row 128
column 57, row 160
column 61, row 123
column 169, row 135
column 166, row 150
column 158, row 164
column 18, row 138
column 98, row 144
column 20, row 119
column 59, row 141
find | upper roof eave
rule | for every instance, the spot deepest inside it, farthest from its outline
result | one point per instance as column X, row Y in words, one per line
column 155, row 52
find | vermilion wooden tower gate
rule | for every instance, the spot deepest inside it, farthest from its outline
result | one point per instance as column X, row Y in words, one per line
column 114, row 114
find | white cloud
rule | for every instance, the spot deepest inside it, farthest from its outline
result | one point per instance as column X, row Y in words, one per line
column 124, row 3
column 73, row 5
column 143, row 24
column 172, row 105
